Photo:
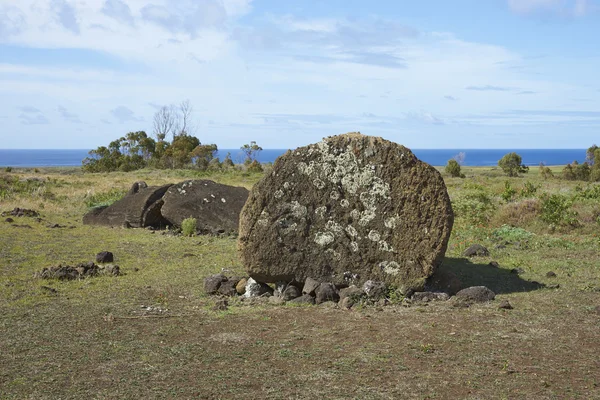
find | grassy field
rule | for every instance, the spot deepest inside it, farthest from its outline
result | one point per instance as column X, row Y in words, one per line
column 97, row 338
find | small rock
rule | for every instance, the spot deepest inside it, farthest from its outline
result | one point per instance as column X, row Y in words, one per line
column 291, row 292
column 240, row 288
column 476, row 250
column 476, row 294
column 429, row 296
column 553, row 286
column 104, row 257
column 375, row 289
column 10, row 220
column 310, row 285
column 221, row 305
column 213, row 282
column 256, row 289
column 326, row 292
column 353, row 292
column 227, row 288
column 517, row 271
column 505, row 305
column 550, row 274
column 494, row 264
column 304, row 299
column 112, row 270
column 347, row 303
column 276, row 301
column 280, row 286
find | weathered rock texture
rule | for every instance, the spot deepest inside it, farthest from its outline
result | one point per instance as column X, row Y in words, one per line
column 216, row 207
column 345, row 210
column 137, row 210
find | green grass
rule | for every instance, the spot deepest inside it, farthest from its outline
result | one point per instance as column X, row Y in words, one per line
column 92, row 339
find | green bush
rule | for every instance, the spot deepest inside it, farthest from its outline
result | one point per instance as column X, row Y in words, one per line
column 188, row 227
column 512, row 234
column 453, row 169
column 529, row 189
column 556, row 210
column 475, row 205
column 512, row 164
column 105, row 198
column 8, row 169
column 508, row 193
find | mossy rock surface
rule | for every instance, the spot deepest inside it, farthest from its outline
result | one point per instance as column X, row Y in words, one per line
column 345, row 210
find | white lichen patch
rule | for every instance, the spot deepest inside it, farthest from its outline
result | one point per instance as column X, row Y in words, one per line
column 324, row 238
column 320, row 211
column 355, row 214
column 366, row 217
column 334, row 227
column 384, row 246
column 344, row 203
column 334, row 254
column 390, row 267
column 374, row 236
column 392, row 222
column 278, row 194
column 263, row 219
column 298, row 210
column 351, row 231
column 354, row 246
column 334, row 195
column 287, row 185
column 223, row 200
column 319, row 184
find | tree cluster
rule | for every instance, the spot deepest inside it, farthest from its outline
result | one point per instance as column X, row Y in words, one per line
column 586, row 171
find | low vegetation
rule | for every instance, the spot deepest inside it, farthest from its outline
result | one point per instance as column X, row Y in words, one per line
column 152, row 332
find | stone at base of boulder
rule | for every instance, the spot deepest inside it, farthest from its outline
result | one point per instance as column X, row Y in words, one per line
column 213, row 282
column 290, row 293
column 255, row 289
column 304, row 299
column 476, row 250
column 476, row 294
column 310, row 285
column 375, row 289
column 240, row 288
column 353, row 292
column 326, row 292
column 276, row 301
column 429, row 296
column 444, row 281
column 227, row 288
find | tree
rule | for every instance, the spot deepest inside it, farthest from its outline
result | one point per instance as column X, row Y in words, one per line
column 512, row 164
column 164, row 122
column 251, row 150
column 183, row 124
column 595, row 172
column 590, row 154
column 453, row 168
column 545, row 172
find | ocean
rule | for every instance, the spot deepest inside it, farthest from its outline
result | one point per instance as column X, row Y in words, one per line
column 436, row 157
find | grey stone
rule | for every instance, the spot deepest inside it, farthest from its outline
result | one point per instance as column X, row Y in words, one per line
column 476, row 294
column 350, row 206
column 375, row 289
column 215, row 206
column 505, row 305
column 240, row 288
column 136, row 187
column 256, row 289
column 476, row 250
column 430, row 296
column 353, row 292
column 227, row 288
column 326, row 292
column 550, row 274
column 105, row 257
column 276, row 301
column 291, row 292
column 213, row 282
column 310, row 285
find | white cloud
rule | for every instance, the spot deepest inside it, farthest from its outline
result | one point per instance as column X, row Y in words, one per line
column 576, row 8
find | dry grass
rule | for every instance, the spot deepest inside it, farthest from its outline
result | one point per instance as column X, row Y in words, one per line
column 92, row 338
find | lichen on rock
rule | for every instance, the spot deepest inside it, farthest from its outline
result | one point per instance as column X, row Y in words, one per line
column 358, row 205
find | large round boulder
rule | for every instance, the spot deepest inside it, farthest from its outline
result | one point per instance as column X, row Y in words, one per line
column 215, row 206
column 348, row 209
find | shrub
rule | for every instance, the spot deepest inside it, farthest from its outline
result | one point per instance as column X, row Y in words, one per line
column 568, row 173
column 512, row 164
column 512, row 234
column 453, row 169
column 8, row 169
column 518, row 213
column 545, row 172
column 529, row 189
column 255, row 166
column 556, row 210
column 508, row 193
column 188, row 227
column 475, row 205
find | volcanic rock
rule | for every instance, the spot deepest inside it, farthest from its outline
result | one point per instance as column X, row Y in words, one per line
column 216, row 207
column 348, row 209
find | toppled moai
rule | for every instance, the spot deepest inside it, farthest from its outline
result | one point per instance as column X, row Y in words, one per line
column 348, row 209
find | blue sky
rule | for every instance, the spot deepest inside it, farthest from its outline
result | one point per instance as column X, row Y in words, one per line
column 426, row 74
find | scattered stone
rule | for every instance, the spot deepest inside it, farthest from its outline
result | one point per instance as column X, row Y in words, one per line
column 227, row 288
column 291, row 292
column 347, row 303
column 276, row 301
column 136, row 187
column 353, row 292
column 21, row 212
column 215, row 206
column 310, row 285
column 79, row 271
column 213, row 282
column 49, row 289
column 476, row 250
column 305, row 218
column 304, row 299
column 426, row 297
column 105, row 257
column 256, row 289
column 221, row 305
column 476, row 294
column 505, row 305
column 517, row 271
column 553, row 286
column 326, row 292
column 9, row 220
column 240, row 288
column 375, row 289
column 494, row 264
column 550, row 274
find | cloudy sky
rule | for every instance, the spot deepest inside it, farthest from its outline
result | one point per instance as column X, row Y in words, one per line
column 285, row 73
